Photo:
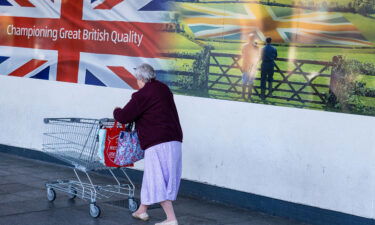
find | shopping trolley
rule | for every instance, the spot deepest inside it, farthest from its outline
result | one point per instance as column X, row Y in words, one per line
column 75, row 141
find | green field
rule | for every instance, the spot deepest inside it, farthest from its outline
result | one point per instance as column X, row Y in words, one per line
column 291, row 2
column 365, row 25
column 316, row 53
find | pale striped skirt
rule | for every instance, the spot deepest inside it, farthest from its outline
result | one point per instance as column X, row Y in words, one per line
column 162, row 173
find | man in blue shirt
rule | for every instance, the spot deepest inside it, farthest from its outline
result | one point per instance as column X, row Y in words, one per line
column 269, row 54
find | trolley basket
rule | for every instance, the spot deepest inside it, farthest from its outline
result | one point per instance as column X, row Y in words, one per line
column 75, row 142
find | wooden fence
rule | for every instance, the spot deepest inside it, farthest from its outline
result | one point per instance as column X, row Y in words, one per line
column 287, row 84
column 296, row 82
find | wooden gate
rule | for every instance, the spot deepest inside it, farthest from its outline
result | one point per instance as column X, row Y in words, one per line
column 293, row 80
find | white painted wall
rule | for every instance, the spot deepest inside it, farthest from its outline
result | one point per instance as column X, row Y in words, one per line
column 310, row 157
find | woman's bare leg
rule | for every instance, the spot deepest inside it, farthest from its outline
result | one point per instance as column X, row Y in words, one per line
column 168, row 209
column 142, row 209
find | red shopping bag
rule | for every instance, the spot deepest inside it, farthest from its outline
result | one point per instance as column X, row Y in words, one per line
column 111, row 143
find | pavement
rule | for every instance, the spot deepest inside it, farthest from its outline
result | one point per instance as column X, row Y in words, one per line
column 23, row 201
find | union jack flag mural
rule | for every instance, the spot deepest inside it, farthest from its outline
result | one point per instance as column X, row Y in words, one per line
column 233, row 21
column 95, row 42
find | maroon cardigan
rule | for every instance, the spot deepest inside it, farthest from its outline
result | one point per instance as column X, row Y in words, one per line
column 155, row 115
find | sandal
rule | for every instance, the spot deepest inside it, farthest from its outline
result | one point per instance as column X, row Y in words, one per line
column 173, row 222
column 142, row 216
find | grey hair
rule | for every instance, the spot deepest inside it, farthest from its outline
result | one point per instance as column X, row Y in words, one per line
column 145, row 72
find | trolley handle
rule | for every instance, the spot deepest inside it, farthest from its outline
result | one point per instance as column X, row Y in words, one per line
column 102, row 121
column 106, row 120
column 73, row 120
column 127, row 127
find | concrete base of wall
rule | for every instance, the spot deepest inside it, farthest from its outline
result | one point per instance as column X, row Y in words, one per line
column 303, row 213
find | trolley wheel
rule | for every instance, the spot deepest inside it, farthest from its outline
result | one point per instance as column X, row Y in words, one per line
column 133, row 205
column 94, row 210
column 51, row 194
column 72, row 193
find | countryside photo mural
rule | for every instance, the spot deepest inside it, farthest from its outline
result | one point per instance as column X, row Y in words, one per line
column 326, row 52
column 325, row 48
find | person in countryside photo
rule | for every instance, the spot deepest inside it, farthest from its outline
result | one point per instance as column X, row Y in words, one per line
column 250, row 59
column 269, row 54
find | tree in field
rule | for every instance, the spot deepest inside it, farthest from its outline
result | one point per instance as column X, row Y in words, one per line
column 362, row 9
column 324, row 5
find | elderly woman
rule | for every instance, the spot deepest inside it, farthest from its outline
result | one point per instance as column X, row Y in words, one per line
column 160, row 135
